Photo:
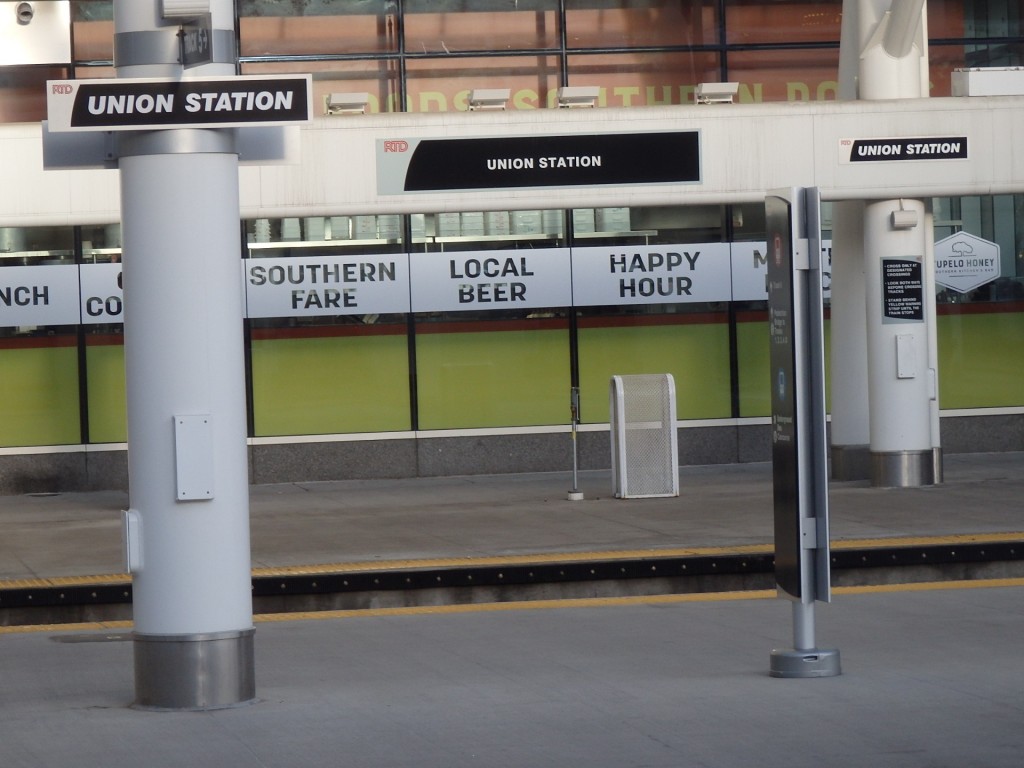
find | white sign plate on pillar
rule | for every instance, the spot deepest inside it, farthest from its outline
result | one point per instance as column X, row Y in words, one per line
column 193, row 453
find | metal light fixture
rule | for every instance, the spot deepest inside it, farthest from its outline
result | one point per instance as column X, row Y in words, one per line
column 346, row 103
column 988, row 81
column 489, row 99
column 903, row 219
column 575, row 96
column 716, row 93
column 25, row 13
column 184, row 9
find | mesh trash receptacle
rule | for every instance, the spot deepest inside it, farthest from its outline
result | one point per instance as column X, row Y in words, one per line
column 645, row 451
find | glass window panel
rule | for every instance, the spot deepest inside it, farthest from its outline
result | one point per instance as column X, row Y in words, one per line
column 38, row 363
column 482, row 370
column 981, row 354
column 92, row 30
column 645, row 79
column 974, row 18
column 943, row 59
column 443, row 85
column 378, row 79
column 488, row 230
column 23, row 92
column 622, row 23
column 496, row 25
column 330, row 379
column 691, row 342
column 302, row 366
column 321, row 27
column 946, row 18
column 105, row 382
column 757, row 21
column 85, row 73
column 104, row 345
column 791, row 75
column 752, row 359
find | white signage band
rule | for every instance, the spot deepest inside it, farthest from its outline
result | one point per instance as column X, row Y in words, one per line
column 654, row 274
column 326, row 285
column 489, row 280
column 69, row 294
column 39, row 295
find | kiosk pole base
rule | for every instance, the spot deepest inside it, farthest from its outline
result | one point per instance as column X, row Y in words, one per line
column 814, row 662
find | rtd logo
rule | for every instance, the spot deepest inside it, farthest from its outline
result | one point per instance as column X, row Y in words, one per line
column 396, row 146
column 62, row 88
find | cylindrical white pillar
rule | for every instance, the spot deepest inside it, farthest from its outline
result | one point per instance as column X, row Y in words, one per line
column 850, row 433
column 849, row 436
column 898, row 269
column 898, row 343
column 933, row 340
column 188, row 527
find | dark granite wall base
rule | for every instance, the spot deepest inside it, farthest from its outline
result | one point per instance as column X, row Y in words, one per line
column 462, row 455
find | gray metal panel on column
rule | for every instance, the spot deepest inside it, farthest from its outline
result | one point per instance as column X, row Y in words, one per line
column 211, row 671
column 163, row 47
column 903, row 469
column 155, row 47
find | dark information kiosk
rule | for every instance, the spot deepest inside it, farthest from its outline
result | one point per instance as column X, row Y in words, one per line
column 800, row 478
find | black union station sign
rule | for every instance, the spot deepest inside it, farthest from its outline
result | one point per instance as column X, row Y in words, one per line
column 147, row 104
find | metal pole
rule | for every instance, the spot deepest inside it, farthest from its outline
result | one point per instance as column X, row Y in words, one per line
column 575, row 494
column 188, row 527
column 803, row 625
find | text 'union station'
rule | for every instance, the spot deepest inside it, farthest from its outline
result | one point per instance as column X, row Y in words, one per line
column 235, row 101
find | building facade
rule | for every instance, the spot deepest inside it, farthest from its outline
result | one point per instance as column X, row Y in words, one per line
column 424, row 387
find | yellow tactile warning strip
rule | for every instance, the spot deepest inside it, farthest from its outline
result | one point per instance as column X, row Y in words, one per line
column 531, row 559
column 67, row 581
column 627, row 554
column 529, row 605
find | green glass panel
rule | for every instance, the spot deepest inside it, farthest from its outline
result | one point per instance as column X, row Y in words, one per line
column 752, row 354
column 108, row 416
column 40, row 396
column 331, row 385
column 697, row 356
column 981, row 360
column 493, row 379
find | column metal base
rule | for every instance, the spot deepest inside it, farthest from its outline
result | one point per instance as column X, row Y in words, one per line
column 194, row 672
column 938, row 473
column 851, row 462
column 815, row 662
column 902, row 469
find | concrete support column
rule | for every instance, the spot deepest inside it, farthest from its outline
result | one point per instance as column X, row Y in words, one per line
column 850, row 432
column 850, row 435
column 933, row 340
column 188, row 527
column 898, row 267
column 901, row 382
